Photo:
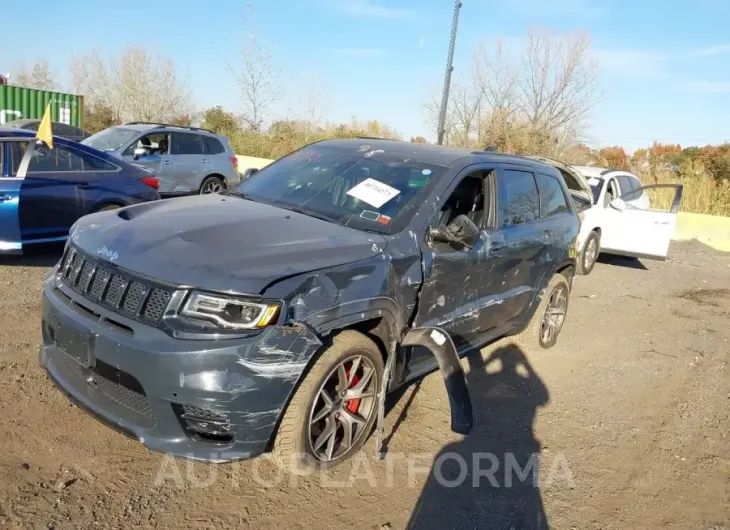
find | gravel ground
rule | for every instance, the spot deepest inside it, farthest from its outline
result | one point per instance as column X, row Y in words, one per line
column 629, row 414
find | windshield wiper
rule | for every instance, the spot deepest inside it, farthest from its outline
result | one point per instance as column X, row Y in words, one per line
column 310, row 213
column 238, row 193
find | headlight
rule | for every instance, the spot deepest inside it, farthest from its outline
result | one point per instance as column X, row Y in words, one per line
column 228, row 312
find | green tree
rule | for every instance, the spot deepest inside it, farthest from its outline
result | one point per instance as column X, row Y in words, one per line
column 220, row 121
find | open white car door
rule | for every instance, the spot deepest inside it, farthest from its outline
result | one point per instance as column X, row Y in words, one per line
column 641, row 222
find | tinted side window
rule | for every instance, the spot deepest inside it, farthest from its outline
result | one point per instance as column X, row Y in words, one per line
column 213, row 146
column 187, row 144
column 518, row 199
column 92, row 163
column 625, row 184
column 630, row 194
column 54, row 160
column 16, row 155
column 551, row 195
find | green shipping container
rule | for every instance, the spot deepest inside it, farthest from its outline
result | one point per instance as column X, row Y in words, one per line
column 19, row 103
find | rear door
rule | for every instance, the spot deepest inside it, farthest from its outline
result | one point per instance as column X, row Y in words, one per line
column 58, row 188
column 10, row 240
column 518, row 251
column 642, row 221
column 189, row 154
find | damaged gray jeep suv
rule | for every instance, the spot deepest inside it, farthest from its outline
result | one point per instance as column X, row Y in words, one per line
column 277, row 315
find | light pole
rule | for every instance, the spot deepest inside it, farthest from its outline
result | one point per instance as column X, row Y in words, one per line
column 447, row 77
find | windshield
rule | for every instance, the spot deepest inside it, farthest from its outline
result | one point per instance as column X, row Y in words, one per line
column 358, row 187
column 110, row 139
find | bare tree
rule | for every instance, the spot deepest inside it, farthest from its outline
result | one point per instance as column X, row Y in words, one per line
column 496, row 77
column 257, row 77
column 536, row 101
column 92, row 77
column 312, row 100
column 431, row 105
column 560, row 80
column 149, row 87
column 462, row 114
column 138, row 86
column 39, row 76
column 466, row 104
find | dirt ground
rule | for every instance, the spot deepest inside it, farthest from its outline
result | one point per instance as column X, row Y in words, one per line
column 629, row 414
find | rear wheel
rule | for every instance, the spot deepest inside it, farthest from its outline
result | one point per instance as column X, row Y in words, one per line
column 589, row 254
column 334, row 410
column 547, row 322
column 212, row 184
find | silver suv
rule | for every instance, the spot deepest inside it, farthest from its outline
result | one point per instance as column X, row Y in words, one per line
column 185, row 159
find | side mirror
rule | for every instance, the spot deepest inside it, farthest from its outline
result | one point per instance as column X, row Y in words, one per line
column 139, row 151
column 461, row 232
column 248, row 172
column 618, row 204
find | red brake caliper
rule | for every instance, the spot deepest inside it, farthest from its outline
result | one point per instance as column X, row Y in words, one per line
column 352, row 404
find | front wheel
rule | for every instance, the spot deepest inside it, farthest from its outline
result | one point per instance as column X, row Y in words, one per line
column 335, row 408
column 589, row 254
column 547, row 322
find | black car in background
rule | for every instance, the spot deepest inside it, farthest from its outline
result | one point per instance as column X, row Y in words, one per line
column 276, row 315
column 59, row 129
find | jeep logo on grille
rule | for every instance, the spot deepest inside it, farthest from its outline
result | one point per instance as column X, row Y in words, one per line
column 107, row 252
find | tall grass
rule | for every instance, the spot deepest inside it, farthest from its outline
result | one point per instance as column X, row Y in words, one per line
column 700, row 194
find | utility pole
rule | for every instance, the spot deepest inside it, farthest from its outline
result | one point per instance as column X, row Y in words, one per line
column 447, row 78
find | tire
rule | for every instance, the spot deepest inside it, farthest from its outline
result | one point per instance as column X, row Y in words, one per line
column 588, row 257
column 532, row 337
column 211, row 184
column 293, row 446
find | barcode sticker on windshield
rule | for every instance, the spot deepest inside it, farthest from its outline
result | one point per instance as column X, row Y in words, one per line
column 373, row 192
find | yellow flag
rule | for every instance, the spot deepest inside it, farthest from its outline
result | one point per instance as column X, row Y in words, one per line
column 45, row 132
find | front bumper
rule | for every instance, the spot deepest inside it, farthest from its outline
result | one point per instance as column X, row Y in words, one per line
column 140, row 381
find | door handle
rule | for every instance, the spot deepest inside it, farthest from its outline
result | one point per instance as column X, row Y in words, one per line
column 83, row 186
column 4, row 198
column 496, row 246
column 204, row 161
column 167, row 162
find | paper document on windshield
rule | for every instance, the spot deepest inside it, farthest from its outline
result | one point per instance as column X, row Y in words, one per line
column 373, row 192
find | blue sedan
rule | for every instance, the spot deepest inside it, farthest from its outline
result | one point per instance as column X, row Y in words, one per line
column 60, row 186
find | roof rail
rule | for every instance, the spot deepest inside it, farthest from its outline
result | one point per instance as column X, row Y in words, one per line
column 191, row 128
column 371, row 138
column 609, row 170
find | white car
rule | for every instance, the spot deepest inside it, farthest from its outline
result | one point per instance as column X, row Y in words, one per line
column 617, row 215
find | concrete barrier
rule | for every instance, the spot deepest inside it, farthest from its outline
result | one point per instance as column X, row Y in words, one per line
column 712, row 230
column 245, row 162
